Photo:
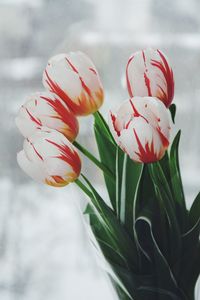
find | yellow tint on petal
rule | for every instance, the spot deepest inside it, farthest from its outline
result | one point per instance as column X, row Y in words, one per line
column 59, row 181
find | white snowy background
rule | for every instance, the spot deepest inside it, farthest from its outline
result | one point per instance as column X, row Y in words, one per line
column 45, row 251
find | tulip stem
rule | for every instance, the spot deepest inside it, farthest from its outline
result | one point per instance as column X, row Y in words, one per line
column 94, row 160
column 83, row 188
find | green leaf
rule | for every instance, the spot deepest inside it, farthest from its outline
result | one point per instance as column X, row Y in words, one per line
column 129, row 174
column 156, row 292
column 133, row 281
column 189, row 260
column 125, row 244
column 145, row 194
column 120, row 290
column 119, row 171
column 104, row 238
column 164, row 278
column 165, row 197
column 107, row 152
column 147, row 202
column 172, row 110
column 90, row 156
column 194, row 213
column 103, row 126
column 177, row 187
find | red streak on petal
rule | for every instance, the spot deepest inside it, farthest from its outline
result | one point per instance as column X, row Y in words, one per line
column 127, row 125
column 54, row 87
column 164, row 140
column 169, row 79
column 85, row 87
column 136, row 113
column 148, row 84
column 64, row 114
column 127, row 77
column 144, row 58
column 113, row 118
column 93, row 70
column 146, row 78
column 69, row 156
column 37, row 121
column 71, row 65
column 146, row 154
column 38, row 154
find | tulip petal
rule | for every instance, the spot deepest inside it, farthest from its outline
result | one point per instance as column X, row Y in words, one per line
column 48, row 157
column 74, row 78
column 141, row 127
column 46, row 109
column 148, row 73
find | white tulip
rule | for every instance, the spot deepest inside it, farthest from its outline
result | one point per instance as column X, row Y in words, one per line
column 48, row 157
column 74, row 78
column 141, row 128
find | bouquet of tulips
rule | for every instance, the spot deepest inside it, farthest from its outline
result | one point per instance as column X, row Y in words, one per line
column 144, row 229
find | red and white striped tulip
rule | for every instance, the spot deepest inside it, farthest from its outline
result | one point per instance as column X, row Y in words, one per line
column 148, row 73
column 46, row 109
column 48, row 157
column 141, row 128
column 74, row 78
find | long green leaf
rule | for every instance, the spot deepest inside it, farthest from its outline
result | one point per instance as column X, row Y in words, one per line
column 119, row 171
column 107, row 152
column 165, row 196
column 189, row 264
column 105, row 239
column 125, row 244
column 194, row 213
column 129, row 173
column 101, row 123
column 178, row 192
column 164, row 278
column 147, row 203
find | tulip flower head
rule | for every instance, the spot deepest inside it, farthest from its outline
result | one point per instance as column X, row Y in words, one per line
column 148, row 73
column 46, row 109
column 48, row 157
column 74, row 78
column 141, row 128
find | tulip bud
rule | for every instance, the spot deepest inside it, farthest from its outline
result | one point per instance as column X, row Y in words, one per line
column 50, row 158
column 141, row 128
column 74, row 78
column 148, row 73
column 46, row 109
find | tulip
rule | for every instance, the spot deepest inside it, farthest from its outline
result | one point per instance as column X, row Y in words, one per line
column 50, row 158
column 46, row 109
column 74, row 78
column 141, row 128
column 148, row 73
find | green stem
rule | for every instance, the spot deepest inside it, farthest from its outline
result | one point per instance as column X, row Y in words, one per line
column 83, row 188
column 94, row 160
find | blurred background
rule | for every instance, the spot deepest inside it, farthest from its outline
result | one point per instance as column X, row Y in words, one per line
column 45, row 252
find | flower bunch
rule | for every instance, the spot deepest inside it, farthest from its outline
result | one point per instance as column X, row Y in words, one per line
column 144, row 230
column 48, row 119
column 141, row 126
